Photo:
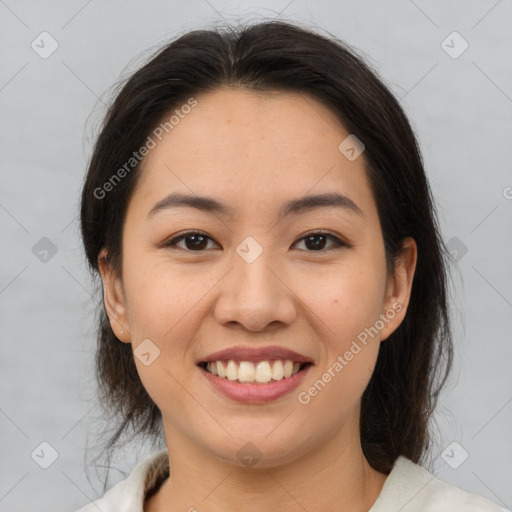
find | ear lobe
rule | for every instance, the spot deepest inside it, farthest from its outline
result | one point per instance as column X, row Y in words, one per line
column 399, row 287
column 114, row 298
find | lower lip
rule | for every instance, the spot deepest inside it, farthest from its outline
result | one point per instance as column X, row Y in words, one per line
column 255, row 393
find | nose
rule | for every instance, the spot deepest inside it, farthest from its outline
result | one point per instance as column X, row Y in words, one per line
column 255, row 296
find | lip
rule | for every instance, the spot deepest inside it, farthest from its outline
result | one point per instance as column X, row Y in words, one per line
column 254, row 354
column 255, row 393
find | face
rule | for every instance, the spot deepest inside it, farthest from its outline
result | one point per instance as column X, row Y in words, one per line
column 312, row 280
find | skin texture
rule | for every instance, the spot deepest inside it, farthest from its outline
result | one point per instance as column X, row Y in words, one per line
column 254, row 151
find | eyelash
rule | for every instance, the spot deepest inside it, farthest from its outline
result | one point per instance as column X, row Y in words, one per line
column 173, row 241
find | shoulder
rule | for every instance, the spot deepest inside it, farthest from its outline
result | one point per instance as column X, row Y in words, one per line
column 411, row 488
column 129, row 494
column 110, row 501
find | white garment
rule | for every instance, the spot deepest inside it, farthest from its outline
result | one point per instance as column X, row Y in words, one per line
column 408, row 488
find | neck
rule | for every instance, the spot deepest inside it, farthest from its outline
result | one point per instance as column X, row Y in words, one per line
column 332, row 476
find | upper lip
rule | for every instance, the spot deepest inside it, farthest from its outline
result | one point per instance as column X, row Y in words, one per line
column 241, row 353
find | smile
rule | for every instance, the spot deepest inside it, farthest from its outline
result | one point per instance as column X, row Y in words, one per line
column 260, row 372
column 253, row 382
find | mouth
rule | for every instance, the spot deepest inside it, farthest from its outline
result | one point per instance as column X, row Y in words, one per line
column 254, row 382
column 254, row 372
column 255, row 375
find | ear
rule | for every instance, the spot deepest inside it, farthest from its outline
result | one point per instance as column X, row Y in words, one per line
column 114, row 298
column 399, row 285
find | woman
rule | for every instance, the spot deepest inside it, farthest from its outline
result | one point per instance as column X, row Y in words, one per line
column 274, row 281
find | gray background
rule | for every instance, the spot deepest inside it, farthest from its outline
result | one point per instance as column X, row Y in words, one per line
column 460, row 107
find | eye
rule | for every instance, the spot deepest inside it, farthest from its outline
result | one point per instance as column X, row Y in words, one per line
column 195, row 241
column 316, row 241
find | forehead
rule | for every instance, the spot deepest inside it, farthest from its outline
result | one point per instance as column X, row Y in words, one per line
column 241, row 146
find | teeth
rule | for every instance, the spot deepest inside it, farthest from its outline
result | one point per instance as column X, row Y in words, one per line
column 288, row 369
column 220, row 368
column 277, row 370
column 247, row 371
column 231, row 370
column 263, row 372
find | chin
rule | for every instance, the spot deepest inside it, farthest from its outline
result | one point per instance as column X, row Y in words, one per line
column 260, row 451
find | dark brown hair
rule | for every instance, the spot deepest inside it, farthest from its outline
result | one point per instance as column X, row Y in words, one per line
column 414, row 363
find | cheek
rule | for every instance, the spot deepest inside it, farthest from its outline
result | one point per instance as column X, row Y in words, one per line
column 164, row 299
column 347, row 309
column 347, row 299
column 164, row 307
column 346, row 314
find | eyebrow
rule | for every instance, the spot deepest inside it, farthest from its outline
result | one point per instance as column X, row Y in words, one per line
column 293, row 206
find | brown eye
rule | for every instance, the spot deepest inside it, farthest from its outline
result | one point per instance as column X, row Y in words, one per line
column 316, row 242
column 194, row 241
